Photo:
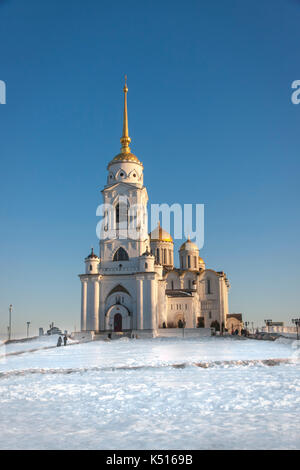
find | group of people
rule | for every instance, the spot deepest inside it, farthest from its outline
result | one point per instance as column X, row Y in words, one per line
column 59, row 341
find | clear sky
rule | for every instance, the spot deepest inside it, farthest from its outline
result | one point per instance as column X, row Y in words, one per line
column 210, row 117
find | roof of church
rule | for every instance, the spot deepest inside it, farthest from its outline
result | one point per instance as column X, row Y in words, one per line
column 188, row 246
column 147, row 253
column 160, row 235
column 178, row 293
column 92, row 255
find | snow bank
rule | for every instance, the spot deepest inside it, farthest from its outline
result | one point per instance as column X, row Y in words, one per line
column 129, row 394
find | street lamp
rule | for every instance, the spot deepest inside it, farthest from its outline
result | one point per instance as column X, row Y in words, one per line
column 9, row 322
column 296, row 321
column 246, row 323
column 28, row 323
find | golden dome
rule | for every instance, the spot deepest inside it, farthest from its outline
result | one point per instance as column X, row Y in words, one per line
column 188, row 246
column 125, row 157
column 160, row 235
column 201, row 260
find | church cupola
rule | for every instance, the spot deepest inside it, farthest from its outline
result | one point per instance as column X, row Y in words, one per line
column 125, row 167
column 201, row 263
column 92, row 263
column 162, row 246
column 189, row 256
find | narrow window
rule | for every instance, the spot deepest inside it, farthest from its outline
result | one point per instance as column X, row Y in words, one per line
column 208, row 290
column 157, row 255
column 190, row 284
column 117, row 213
column 209, row 315
column 172, row 285
column 122, row 214
column 189, row 261
column 91, row 267
column 195, row 261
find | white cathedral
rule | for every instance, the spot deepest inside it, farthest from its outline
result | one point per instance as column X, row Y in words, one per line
column 133, row 286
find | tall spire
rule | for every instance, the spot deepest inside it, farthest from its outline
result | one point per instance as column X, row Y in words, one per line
column 125, row 139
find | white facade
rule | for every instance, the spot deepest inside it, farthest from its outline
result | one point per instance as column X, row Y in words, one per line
column 133, row 285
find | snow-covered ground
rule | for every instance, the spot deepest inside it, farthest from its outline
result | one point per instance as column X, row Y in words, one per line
column 127, row 394
column 40, row 342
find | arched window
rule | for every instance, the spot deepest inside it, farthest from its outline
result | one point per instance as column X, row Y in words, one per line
column 157, row 255
column 91, row 267
column 189, row 261
column 172, row 285
column 121, row 255
column 208, row 289
column 189, row 284
column 121, row 211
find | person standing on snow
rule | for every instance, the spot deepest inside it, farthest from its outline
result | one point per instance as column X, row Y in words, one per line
column 59, row 341
column 65, row 340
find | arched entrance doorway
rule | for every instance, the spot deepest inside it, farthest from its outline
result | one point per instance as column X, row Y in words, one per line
column 118, row 322
column 118, row 318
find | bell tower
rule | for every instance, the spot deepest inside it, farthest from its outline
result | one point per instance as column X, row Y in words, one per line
column 124, row 234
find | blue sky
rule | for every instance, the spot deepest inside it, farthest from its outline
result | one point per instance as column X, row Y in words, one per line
column 210, row 117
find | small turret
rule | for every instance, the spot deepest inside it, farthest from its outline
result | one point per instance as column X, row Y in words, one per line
column 91, row 263
column 147, row 261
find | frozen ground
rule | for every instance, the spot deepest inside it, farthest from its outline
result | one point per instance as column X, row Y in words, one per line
column 126, row 395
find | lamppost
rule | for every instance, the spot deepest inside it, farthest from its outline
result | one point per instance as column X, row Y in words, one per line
column 246, row 323
column 268, row 323
column 9, row 321
column 296, row 321
column 28, row 323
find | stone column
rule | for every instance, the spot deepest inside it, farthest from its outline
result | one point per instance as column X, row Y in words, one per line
column 83, row 304
column 96, row 305
column 153, row 303
column 139, row 304
column 101, row 307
